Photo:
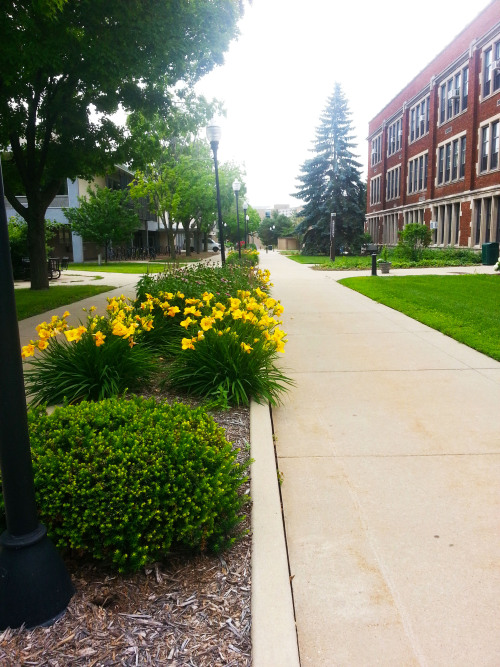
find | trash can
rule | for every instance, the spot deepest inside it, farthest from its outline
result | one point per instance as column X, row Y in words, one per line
column 489, row 253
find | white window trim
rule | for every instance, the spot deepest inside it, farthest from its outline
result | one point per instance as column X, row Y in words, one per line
column 486, row 47
column 448, row 140
column 486, row 123
column 444, row 81
column 415, row 158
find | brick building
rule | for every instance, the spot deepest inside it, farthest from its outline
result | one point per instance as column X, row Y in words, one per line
column 434, row 149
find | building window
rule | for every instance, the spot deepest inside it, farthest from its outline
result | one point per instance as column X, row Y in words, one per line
column 417, row 173
column 414, row 216
column 395, row 137
column 419, row 119
column 451, row 161
column 375, row 190
column 491, row 69
column 376, row 154
column 393, row 183
column 489, row 138
column 453, row 95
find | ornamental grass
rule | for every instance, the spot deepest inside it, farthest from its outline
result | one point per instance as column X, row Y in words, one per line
column 102, row 358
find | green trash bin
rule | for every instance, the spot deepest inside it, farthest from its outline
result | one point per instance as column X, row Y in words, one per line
column 489, row 254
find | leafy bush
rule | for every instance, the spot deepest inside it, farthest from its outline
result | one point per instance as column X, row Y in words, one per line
column 125, row 481
column 413, row 238
column 249, row 258
column 193, row 281
column 102, row 359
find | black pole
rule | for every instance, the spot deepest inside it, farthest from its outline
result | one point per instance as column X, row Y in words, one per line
column 35, row 587
column 374, row 264
column 245, row 227
column 214, row 145
column 238, row 224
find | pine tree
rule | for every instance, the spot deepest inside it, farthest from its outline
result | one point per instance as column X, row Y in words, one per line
column 331, row 183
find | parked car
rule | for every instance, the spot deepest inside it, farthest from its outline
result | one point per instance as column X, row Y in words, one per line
column 212, row 246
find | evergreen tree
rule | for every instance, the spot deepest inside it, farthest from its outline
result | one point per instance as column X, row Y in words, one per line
column 331, row 183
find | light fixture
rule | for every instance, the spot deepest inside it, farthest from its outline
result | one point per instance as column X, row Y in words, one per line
column 245, row 209
column 236, row 188
column 214, row 133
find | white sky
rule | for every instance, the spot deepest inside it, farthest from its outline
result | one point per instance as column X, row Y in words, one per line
column 279, row 74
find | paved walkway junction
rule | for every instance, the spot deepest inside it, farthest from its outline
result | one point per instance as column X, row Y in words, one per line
column 389, row 449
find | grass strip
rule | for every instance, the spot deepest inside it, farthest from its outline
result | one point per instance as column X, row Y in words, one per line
column 129, row 267
column 30, row 302
column 466, row 308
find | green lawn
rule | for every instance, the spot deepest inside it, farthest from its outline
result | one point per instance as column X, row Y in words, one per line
column 29, row 302
column 128, row 267
column 467, row 308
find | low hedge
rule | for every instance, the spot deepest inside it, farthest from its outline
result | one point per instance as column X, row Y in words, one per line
column 126, row 481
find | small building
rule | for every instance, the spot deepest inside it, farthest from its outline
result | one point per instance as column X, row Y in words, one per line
column 71, row 245
column 434, row 148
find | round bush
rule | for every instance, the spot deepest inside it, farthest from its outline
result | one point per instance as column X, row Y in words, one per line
column 124, row 481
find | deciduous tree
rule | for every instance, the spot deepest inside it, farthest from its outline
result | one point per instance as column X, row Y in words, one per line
column 105, row 217
column 67, row 67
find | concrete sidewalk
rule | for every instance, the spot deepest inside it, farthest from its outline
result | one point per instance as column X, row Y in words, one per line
column 389, row 450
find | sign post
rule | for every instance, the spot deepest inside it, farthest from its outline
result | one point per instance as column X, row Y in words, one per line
column 332, row 236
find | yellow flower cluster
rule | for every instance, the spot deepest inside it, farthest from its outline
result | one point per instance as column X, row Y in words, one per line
column 120, row 321
column 201, row 315
column 45, row 331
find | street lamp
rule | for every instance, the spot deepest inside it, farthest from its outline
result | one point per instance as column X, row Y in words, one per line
column 213, row 135
column 245, row 209
column 236, row 188
column 35, row 587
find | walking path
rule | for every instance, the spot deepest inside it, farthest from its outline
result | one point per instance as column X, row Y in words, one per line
column 389, row 449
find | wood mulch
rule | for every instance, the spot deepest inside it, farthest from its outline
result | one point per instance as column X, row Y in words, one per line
column 189, row 610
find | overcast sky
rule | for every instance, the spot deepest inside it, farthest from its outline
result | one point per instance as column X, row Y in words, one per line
column 279, row 74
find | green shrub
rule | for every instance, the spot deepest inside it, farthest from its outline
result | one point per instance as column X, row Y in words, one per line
column 193, row 281
column 248, row 258
column 126, row 481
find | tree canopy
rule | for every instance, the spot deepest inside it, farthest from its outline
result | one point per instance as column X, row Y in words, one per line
column 105, row 216
column 67, row 67
column 331, row 182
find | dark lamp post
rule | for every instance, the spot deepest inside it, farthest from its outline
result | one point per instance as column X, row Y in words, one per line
column 213, row 135
column 245, row 209
column 35, row 587
column 332, row 236
column 236, row 188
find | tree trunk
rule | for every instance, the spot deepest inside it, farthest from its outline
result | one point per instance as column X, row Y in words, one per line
column 36, row 250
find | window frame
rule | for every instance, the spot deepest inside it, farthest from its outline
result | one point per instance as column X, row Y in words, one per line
column 375, row 195
column 450, row 158
column 395, row 136
column 418, row 168
column 489, row 145
column 393, row 183
column 376, row 150
column 419, row 127
column 452, row 104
